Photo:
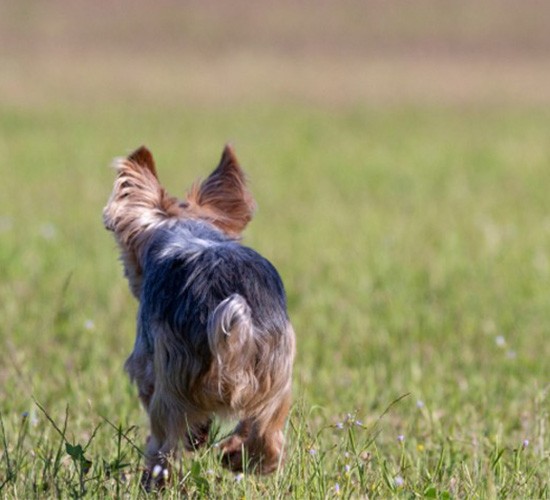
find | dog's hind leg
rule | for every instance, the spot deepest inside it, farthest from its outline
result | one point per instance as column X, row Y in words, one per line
column 170, row 425
column 161, row 443
column 261, row 439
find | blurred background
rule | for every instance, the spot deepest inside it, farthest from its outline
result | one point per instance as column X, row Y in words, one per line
column 327, row 53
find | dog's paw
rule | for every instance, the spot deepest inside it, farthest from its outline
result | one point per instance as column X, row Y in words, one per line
column 232, row 453
column 233, row 460
column 231, row 444
column 155, row 478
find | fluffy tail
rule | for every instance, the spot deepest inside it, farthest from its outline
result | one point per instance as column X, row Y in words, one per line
column 231, row 339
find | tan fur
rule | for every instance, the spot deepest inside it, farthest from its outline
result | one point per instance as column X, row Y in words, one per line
column 249, row 376
column 223, row 198
column 138, row 204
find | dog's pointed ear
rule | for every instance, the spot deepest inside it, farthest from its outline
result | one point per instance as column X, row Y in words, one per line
column 143, row 157
column 223, row 197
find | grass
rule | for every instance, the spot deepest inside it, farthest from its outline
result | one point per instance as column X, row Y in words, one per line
column 414, row 244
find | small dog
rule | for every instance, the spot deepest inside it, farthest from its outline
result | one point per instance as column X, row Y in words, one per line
column 213, row 333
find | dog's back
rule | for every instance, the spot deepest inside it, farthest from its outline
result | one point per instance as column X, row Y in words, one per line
column 217, row 309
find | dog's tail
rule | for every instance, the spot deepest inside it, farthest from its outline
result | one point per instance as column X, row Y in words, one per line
column 232, row 343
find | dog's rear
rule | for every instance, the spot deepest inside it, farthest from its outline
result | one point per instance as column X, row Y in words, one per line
column 213, row 331
column 215, row 314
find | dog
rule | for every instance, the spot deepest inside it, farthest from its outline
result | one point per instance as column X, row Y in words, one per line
column 213, row 332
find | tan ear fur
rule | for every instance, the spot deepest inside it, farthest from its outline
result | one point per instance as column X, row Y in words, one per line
column 223, row 198
column 138, row 204
column 143, row 157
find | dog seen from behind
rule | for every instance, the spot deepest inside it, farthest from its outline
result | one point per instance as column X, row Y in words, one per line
column 213, row 333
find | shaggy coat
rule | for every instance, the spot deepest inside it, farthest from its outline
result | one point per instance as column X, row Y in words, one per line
column 213, row 333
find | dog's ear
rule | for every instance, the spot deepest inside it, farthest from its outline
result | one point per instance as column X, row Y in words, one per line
column 143, row 157
column 223, row 197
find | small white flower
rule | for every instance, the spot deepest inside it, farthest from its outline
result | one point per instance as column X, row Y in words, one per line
column 337, row 488
column 89, row 325
column 358, row 423
column 500, row 341
column 401, row 438
column 339, row 425
column 312, row 452
column 239, row 477
column 420, row 404
column 48, row 231
column 165, row 474
column 525, row 443
column 347, row 468
column 399, row 481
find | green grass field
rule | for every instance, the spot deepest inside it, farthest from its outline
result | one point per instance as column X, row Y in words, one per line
column 413, row 237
